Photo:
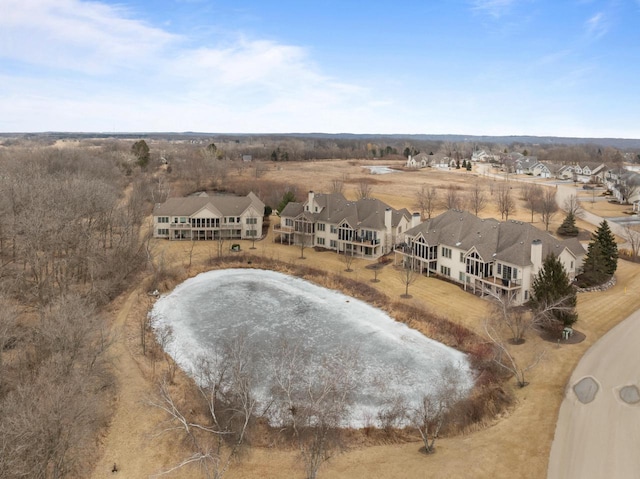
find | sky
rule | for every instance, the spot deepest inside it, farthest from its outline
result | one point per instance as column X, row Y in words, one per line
column 474, row 67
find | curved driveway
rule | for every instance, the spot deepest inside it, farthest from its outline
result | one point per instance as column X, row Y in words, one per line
column 600, row 439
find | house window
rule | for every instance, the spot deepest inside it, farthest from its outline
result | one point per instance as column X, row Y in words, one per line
column 252, row 233
column 252, row 221
column 515, row 273
column 572, row 265
column 320, row 241
column 334, row 229
column 446, row 252
column 231, row 219
column 461, row 276
column 163, row 219
column 499, row 269
column 175, row 220
column 288, row 222
column 321, row 226
column 526, row 294
column 183, row 219
column 333, row 244
column 445, row 271
column 461, row 257
column 163, row 232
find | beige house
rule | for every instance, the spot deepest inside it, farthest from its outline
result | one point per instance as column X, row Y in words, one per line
column 205, row 217
column 366, row 228
column 486, row 256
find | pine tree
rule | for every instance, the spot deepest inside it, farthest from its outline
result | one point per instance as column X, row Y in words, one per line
column 604, row 237
column 553, row 295
column 594, row 267
column 568, row 226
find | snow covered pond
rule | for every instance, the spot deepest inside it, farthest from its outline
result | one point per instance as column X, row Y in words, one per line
column 271, row 307
column 380, row 170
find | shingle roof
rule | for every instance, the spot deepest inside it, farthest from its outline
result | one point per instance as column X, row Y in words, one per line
column 334, row 208
column 508, row 241
column 227, row 205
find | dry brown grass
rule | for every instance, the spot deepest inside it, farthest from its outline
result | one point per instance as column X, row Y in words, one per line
column 515, row 444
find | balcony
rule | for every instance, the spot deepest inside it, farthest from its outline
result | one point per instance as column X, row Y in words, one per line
column 359, row 240
column 503, row 283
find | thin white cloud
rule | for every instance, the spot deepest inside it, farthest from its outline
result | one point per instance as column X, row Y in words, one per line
column 139, row 77
column 494, row 8
column 597, row 26
column 88, row 37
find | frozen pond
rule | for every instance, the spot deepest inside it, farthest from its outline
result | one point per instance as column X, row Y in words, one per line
column 380, row 170
column 270, row 307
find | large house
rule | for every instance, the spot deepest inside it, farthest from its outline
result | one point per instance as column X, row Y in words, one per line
column 206, row 217
column 486, row 256
column 366, row 228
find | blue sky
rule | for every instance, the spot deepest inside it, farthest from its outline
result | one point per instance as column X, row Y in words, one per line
column 477, row 67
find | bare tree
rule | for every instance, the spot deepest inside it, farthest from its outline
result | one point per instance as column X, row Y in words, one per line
column 312, row 397
column 506, row 314
column 452, row 199
column 505, row 202
column 433, row 411
column 532, row 195
column 376, row 273
column 337, row 186
column 632, row 237
column 548, row 207
column 426, row 200
column 477, row 199
column 216, row 429
column 573, row 206
column 407, row 276
column 347, row 258
column 364, row 189
column 507, row 359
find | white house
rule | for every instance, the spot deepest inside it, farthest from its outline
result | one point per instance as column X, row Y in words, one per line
column 366, row 228
column 204, row 217
column 486, row 256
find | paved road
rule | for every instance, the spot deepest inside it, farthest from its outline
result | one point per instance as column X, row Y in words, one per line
column 600, row 439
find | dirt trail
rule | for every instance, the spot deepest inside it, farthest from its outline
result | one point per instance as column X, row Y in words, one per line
column 129, row 442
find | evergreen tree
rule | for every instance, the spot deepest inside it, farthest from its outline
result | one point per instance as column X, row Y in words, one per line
column 141, row 150
column 594, row 267
column 604, row 237
column 288, row 197
column 568, row 226
column 553, row 295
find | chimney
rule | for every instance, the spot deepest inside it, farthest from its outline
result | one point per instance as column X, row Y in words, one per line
column 387, row 220
column 536, row 256
column 415, row 220
column 310, row 201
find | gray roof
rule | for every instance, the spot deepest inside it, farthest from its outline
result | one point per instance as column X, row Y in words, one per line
column 335, row 208
column 508, row 241
column 227, row 205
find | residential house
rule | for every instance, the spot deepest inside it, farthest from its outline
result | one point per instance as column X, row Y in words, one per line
column 204, row 217
column 486, row 256
column 542, row 170
column 421, row 160
column 366, row 228
column 625, row 186
column 565, row 172
column 483, row 157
